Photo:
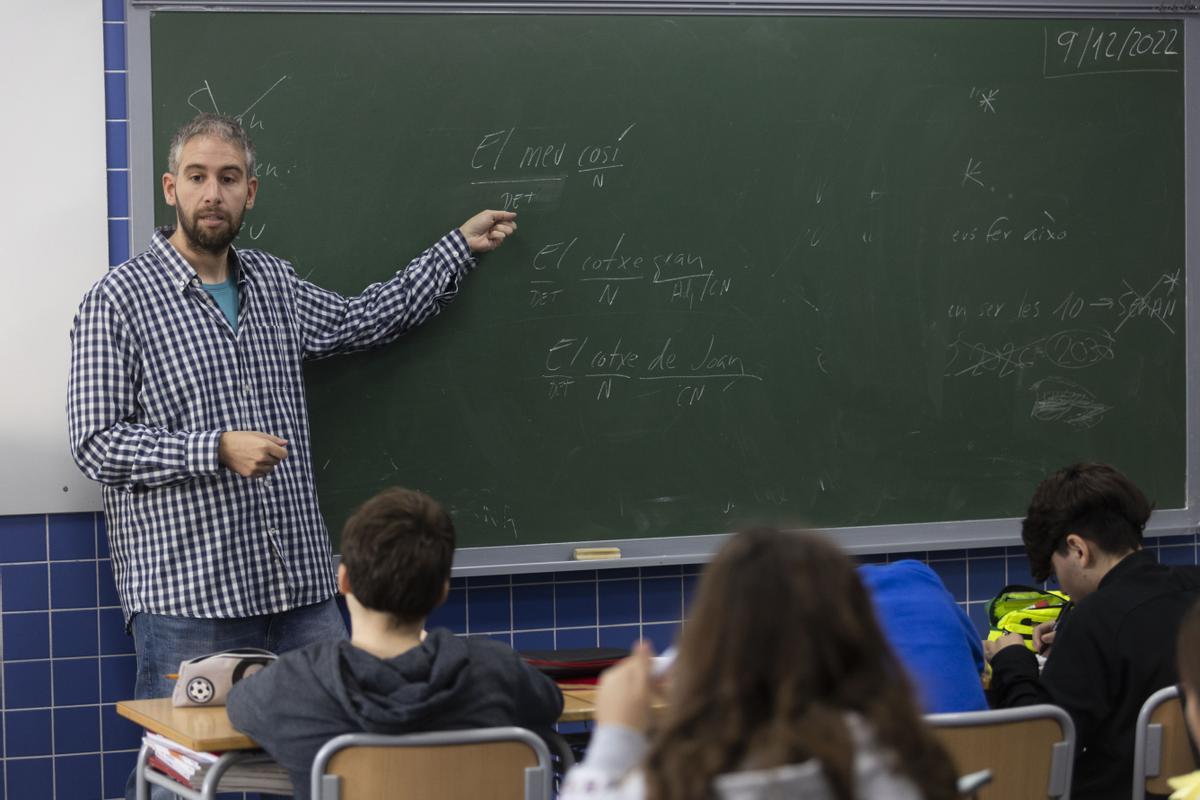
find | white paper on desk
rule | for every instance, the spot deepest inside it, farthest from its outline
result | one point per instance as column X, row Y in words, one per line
column 156, row 741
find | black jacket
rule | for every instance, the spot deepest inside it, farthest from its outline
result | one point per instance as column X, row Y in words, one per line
column 316, row 693
column 1112, row 652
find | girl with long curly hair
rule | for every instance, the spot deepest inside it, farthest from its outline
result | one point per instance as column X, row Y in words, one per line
column 782, row 676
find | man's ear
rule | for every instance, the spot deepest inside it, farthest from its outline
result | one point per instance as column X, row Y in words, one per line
column 168, row 187
column 251, row 192
column 1081, row 549
column 445, row 593
column 343, row 580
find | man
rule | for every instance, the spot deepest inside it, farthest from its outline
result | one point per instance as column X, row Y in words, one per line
column 391, row 677
column 186, row 400
column 1117, row 647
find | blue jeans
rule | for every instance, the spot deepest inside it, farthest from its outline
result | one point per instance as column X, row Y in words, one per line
column 163, row 642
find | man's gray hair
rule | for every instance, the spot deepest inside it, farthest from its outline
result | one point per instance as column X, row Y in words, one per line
column 218, row 126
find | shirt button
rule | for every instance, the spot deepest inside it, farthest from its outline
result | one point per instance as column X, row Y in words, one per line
column 272, row 531
column 247, row 390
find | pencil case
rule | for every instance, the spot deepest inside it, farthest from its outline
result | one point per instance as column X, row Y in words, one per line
column 206, row 680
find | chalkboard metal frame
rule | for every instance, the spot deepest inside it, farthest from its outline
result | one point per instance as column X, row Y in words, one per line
column 896, row 538
column 1023, row 8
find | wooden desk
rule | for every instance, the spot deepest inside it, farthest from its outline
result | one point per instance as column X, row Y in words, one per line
column 579, row 705
column 209, row 729
column 204, row 729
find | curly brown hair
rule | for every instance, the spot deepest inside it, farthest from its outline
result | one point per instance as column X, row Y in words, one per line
column 781, row 644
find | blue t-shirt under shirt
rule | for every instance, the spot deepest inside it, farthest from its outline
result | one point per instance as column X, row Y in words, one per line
column 226, row 295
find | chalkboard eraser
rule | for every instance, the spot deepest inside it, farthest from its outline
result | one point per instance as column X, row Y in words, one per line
column 595, row 553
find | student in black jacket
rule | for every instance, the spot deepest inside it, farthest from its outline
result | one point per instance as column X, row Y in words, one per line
column 391, row 676
column 1117, row 647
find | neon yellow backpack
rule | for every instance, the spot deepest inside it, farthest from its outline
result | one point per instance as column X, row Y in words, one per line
column 1020, row 609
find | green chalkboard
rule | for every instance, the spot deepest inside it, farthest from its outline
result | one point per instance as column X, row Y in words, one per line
column 834, row 270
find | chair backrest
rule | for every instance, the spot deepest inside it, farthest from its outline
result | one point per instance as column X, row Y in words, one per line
column 1030, row 751
column 1161, row 748
column 794, row 780
column 499, row 763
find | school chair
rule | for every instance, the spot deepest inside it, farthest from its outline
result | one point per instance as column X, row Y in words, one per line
column 1029, row 751
column 1161, row 748
column 500, row 763
column 805, row 779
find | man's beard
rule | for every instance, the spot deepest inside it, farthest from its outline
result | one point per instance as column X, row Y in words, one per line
column 214, row 241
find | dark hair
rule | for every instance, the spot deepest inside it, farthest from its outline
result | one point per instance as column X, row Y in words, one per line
column 1094, row 501
column 398, row 548
column 780, row 645
column 1187, row 651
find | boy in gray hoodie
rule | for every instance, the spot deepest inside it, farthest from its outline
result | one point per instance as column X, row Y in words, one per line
column 391, row 676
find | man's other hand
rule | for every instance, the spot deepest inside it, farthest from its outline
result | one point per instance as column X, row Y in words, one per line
column 487, row 230
column 990, row 648
column 251, row 454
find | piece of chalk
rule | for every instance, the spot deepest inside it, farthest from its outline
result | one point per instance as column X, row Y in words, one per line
column 595, row 553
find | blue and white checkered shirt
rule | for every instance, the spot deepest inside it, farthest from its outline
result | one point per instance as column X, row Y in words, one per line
column 157, row 375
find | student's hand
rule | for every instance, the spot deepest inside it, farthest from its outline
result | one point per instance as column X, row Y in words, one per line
column 251, row 454
column 626, row 691
column 990, row 648
column 486, row 230
column 1043, row 637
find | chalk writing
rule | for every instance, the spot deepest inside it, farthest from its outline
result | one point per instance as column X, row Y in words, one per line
column 1003, row 229
column 497, row 516
column 551, row 159
column 541, row 293
column 1061, row 400
column 1068, row 349
column 972, row 172
column 1156, row 303
column 985, row 99
column 1161, row 303
column 511, row 201
column 206, row 90
column 572, row 359
column 682, row 275
column 989, row 309
column 1099, row 49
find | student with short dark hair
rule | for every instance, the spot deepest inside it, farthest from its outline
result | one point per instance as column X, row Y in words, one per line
column 391, row 677
column 1117, row 647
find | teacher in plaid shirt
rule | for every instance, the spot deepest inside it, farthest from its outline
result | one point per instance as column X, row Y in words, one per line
column 186, row 401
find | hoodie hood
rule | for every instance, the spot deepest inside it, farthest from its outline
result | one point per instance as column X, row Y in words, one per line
column 398, row 694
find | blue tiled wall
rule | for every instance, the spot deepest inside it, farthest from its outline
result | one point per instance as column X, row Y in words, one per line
column 67, row 660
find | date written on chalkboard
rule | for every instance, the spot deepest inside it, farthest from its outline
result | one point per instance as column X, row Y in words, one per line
column 1095, row 49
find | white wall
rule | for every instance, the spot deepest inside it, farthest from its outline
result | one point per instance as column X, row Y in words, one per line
column 54, row 239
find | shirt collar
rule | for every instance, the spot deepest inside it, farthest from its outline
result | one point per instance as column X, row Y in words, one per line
column 181, row 273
